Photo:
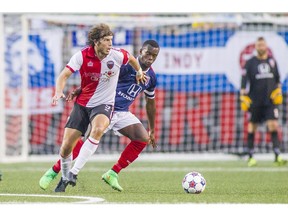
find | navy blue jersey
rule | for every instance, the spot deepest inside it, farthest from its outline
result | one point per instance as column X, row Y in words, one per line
column 128, row 89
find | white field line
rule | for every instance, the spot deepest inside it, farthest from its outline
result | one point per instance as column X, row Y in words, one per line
column 166, row 169
column 85, row 198
column 150, row 157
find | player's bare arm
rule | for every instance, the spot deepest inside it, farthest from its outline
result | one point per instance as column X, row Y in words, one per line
column 73, row 94
column 140, row 75
column 151, row 113
column 243, row 92
column 60, row 85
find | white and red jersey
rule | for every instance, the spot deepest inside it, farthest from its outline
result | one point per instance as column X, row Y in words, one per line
column 98, row 78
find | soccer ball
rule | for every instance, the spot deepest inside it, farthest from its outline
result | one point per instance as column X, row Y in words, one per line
column 193, row 183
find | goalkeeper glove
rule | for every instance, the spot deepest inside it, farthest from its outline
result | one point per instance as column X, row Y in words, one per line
column 276, row 96
column 245, row 102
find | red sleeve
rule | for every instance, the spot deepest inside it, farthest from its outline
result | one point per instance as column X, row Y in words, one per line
column 126, row 56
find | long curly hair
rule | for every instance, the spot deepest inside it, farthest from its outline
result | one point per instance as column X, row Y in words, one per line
column 98, row 32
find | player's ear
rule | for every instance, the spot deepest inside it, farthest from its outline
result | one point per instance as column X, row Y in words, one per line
column 96, row 42
column 140, row 51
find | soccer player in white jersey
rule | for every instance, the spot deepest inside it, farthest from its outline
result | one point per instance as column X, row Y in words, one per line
column 99, row 67
column 123, row 121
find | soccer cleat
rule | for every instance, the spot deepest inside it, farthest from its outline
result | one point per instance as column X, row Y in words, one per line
column 111, row 178
column 279, row 161
column 72, row 179
column 61, row 185
column 252, row 162
column 47, row 178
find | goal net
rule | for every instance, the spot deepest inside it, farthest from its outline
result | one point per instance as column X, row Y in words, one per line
column 198, row 71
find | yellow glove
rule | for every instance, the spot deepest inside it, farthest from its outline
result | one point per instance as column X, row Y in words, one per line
column 245, row 102
column 276, row 96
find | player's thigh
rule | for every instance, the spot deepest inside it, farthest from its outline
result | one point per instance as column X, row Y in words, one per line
column 78, row 119
column 130, row 126
column 100, row 116
column 272, row 115
column 272, row 125
column 99, row 122
column 135, row 132
column 252, row 127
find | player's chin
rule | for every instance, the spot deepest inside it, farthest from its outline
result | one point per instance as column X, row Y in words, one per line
column 148, row 64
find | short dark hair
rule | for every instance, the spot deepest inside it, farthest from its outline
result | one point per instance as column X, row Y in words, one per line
column 152, row 43
column 98, row 32
column 261, row 39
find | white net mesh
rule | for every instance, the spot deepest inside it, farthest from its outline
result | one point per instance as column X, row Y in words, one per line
column 198, row 71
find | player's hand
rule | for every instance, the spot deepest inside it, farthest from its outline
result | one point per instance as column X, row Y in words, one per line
column 276, row 96
column 56, row 97
column 152, row 139
column 245, row 102
column 141, row 76
column 73, row 94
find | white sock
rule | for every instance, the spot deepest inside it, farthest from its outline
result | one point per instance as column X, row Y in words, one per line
column 65, row 166
column 89, row 148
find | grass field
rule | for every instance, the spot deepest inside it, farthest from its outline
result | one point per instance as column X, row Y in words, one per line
column 151, row 182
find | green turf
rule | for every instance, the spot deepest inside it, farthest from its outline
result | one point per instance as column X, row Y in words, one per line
column 153, row 182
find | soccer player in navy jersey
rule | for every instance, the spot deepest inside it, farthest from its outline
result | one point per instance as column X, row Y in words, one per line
column 99, row 67
column 263, row 98
column 123, row 121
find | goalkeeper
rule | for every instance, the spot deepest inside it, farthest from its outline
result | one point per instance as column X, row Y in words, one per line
column 262, row 80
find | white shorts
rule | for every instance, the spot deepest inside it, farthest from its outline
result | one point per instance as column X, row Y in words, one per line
column 121, row 120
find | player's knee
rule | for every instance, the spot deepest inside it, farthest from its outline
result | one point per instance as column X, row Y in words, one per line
column 252, row 127
column 273, row 125
column 273, row 128
column 65, row 151
column 97, row 131
column 144, row 139
column 66, row 147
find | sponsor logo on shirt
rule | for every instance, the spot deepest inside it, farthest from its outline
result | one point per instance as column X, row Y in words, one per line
column 95, row 77
column 127, row 97
column 264, row 71
column 109, row 74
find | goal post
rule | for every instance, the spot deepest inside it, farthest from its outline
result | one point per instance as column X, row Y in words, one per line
column 20, row 120
column 25, row 89
column 2, row 92
column 198, row 71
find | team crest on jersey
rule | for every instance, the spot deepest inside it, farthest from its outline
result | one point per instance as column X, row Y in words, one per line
column 110, row 64
column 90, row 64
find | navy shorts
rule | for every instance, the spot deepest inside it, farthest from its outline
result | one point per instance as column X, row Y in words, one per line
column 263, row 113
column 81, row 116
